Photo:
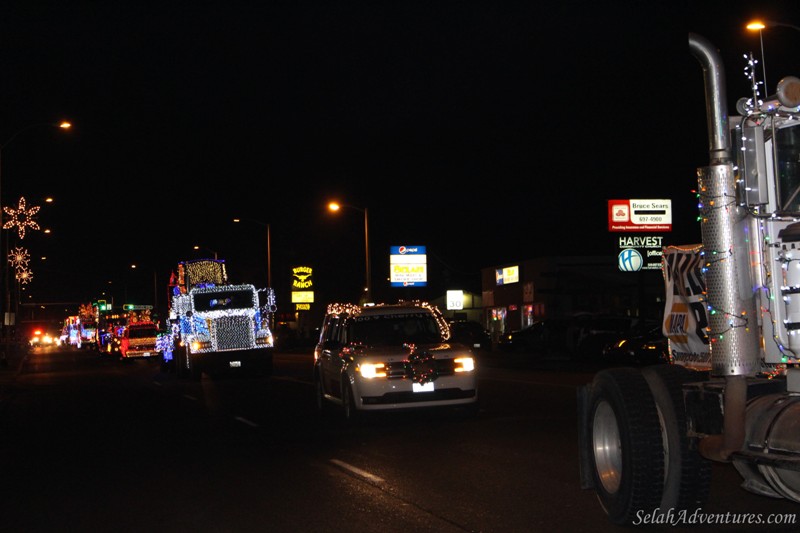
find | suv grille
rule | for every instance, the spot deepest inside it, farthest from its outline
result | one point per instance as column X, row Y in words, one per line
column 403, row 369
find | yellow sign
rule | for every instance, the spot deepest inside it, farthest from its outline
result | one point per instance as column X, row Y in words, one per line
column 303, row 297
column 302, row 307
column 301, row 277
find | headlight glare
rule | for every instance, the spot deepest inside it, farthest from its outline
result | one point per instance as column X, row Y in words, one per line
column 464, row 364
column 372, row 370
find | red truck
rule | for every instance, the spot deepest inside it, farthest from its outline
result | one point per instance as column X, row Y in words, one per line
column 139, row 340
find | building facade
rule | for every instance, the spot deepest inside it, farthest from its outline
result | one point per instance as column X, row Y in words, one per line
column 517, row 294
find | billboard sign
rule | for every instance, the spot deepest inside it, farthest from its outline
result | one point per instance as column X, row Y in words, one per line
column 506, row 275
column 640, row 215
column 408, row 266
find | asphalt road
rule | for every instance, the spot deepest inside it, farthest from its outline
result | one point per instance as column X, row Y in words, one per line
column 88, row 443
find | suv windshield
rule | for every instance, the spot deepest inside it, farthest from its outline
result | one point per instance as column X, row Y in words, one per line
column 396, row 330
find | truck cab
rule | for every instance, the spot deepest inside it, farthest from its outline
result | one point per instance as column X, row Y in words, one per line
column 139, row 340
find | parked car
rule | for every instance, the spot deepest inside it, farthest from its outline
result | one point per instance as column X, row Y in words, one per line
column 639, row 348
column 543, row 337
column 391, row 357
column 590, row 333
column 470, row 333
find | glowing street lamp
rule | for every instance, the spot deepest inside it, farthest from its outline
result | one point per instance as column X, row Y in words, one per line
column 155, row 286
column 64, row 125
column 759, row 26
column 269, row 246
column 206, row 248
column 334, row 207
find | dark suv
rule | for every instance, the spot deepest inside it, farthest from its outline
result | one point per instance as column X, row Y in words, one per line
column 470, row 333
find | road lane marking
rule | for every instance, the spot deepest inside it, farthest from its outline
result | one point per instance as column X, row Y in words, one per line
column 293, row 380
column 246, row 421
column 357, row 471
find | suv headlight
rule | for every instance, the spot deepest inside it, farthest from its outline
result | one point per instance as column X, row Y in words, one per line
column 464, row 364
column 372, row 370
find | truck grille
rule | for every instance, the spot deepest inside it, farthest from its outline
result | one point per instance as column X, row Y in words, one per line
column 232, row 333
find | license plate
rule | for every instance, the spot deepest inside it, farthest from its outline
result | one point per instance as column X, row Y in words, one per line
column 235, row 364
column 419, row 387
column 476, row 345
column 146, row 354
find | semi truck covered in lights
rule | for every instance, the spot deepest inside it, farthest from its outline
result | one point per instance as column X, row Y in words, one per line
column 217, row 325
column 648, row 436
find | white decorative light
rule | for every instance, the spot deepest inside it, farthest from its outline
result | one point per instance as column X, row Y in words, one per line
column 21, row 217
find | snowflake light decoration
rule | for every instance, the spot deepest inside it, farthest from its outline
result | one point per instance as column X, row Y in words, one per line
column 19, row 258
column 24, row 275
column 21, row 217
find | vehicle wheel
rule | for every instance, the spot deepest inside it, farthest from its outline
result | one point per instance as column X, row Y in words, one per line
column 351, row 413
column 195, row 370
column 687, row 474
column 167, row 366
column 181, row 361
column 319, row 393
column 624, row 438
column 266, row 366
column 471, row 410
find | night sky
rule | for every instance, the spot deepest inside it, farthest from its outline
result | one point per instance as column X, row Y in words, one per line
column 490, row 132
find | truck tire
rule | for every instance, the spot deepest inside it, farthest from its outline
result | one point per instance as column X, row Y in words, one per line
column 181, row 355
column 687, row 474
column 266, row 365
column 626, row 453
column 195, row 369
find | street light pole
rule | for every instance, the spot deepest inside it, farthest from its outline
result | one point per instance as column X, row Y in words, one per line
column 155, row 287
column 209, row 249
column 760, row 26
column 64, row 125
column 335, row 206
column 269, row 245
column 366, row 248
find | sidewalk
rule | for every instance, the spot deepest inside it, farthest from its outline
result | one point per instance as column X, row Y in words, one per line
column 10, row 357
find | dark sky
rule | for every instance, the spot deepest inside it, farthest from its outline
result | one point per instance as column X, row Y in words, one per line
column 491, row 132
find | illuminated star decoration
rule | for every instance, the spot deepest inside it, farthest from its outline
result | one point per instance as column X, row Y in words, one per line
column 19, row 258
column 24, row 275
column 21, row 217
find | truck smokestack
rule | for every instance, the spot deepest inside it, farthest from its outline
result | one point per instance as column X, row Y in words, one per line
column 719, row 139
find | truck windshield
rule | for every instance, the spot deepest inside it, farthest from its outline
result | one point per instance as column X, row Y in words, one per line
column 141, row 333
column 395, row 330
column 786, row 141
column 223, row 300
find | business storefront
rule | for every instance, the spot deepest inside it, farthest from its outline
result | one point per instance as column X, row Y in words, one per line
column 516, row 295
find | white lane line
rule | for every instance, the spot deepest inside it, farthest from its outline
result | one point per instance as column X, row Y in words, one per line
column 526, row 382
column 357, row 471
column 246, row 421
column 293, row 380
column 190, row 397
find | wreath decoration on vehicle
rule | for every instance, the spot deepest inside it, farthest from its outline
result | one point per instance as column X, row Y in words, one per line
column 422, row 367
